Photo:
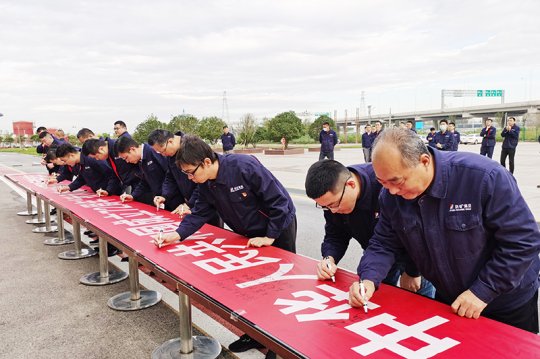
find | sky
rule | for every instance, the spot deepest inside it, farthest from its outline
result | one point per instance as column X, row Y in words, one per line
column 71, row 64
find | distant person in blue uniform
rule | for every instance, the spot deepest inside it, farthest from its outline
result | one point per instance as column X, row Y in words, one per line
column 410, row 126
column 431, row 136
column 367, row 142
column 349, row 197
column 120, row 129
column 511, row 137
column 488, row 139
column 456, row 134
column 227, row 140
column 464, row 223
column 246, row 195
column 328, row 139
column 443, row 140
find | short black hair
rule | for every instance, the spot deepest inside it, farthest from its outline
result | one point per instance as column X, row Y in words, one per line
column 85, row 132
column 43, row 134
column 511, row 117
column 193, row 151
column 432, row 128
column 224, row 127
column 326, row 123
column 379, row 122
column 65, row 149
column 123, row 144
column 323, row 176
column 91, row 146
column 121, row 123
column 159, row 137
column 41, row 129
column 409, row 121
column 452, row 123
column 443, row 120
column 51, row 155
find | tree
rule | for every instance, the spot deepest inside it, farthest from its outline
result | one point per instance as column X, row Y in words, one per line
column 9, row 139
column 316, row 127
column 247, row 130
column 211, row 128
column 185, row 123
column 34, row 138
column 73, row 140
column 146, row 127
column 285, row 125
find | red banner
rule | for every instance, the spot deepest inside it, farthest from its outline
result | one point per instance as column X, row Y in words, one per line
column 279, row 292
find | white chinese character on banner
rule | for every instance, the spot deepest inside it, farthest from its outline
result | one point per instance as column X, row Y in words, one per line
column 317, row 301
column 194, row 248
column 277, row 276
column 143, row 221
column 391, row 341
column 152, row 229
column 218, row 265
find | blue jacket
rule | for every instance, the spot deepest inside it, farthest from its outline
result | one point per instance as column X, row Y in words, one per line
column 177, row 187
column 96, row 174
column 128, row 174
column 457, row 140
column 247, row 196
column 228, row 141
column 488, row 136
column 430, row 138
column 328, row 140
column 360, row 223
column 153, row 167
column 367, row 140
column 446, row 139
column 65, row 172
column 471, row 229
column 511, row 137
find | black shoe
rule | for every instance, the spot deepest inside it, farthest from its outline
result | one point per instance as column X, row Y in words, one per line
column 125, row 259
column 244, row 343
column 113, row 252
column 53, row 212
column 94, row 241
column 92, row 235
column 87, row 232
column 270, row 355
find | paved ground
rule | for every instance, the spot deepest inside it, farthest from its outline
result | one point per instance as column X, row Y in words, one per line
column 46, row 313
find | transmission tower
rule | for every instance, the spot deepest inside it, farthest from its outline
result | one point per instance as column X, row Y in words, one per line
column 363, row 103
column 225, row 108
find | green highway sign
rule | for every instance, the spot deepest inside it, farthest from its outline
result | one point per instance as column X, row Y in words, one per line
column 489, row 93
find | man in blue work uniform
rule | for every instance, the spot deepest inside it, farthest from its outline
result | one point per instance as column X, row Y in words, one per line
column 249, row 199
column 367, row 142
column 128, row 174
column 431, row 136
column 443, row 139
column 328, row 139
column 410, row 126
column 488, row 139
column 479, row 249
column 227, row 140
column 349, row 197
column 120, row 129
column 510, row 142
column 153, row 168
column 456, row 134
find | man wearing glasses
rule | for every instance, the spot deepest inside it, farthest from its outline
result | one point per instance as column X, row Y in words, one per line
column 246, row 195
column 349, row 198
column 120, row 129
column 153, row 167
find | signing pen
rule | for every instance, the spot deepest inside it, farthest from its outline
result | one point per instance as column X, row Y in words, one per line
column 327, row 260
column 363, row 294
column 160, row 240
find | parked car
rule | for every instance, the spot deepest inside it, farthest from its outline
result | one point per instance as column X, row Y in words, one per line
column 473, row 138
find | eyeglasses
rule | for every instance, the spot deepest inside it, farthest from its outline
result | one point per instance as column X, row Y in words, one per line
column 192, row 173
column 328, row 208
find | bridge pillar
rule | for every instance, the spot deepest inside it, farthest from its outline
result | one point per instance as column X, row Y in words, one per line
column 533, row 117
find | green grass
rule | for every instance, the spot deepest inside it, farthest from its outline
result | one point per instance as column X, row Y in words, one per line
column 25, row 151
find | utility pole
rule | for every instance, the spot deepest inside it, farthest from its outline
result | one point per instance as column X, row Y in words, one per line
column 225, row 109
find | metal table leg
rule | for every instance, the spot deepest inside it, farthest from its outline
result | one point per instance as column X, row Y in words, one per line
column 29, row 210
column 39, row 219
column 104, row 276
column 48, row 228
column 79, row 252
column 187, row 346
column 64, row 237
column 135, row 299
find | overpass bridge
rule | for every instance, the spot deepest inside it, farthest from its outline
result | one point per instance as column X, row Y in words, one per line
column 526, row 113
